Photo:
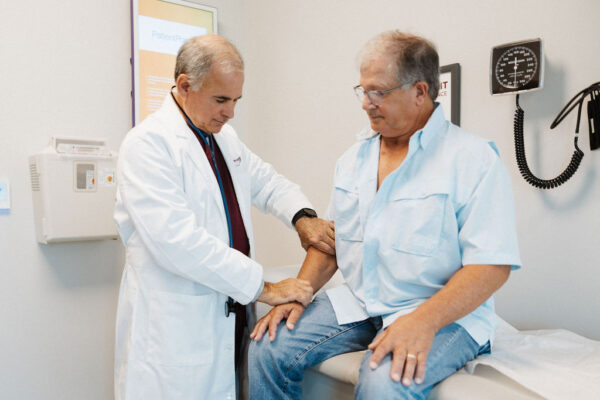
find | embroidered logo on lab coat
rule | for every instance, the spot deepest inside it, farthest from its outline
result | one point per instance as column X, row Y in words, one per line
column 237, row 161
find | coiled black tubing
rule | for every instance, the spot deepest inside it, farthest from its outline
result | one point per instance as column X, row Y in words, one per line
column 522, row 160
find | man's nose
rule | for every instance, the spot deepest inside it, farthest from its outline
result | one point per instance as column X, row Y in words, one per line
column 228, row 110
column 367, row 104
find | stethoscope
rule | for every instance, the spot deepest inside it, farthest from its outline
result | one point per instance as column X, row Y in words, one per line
column 208, row 140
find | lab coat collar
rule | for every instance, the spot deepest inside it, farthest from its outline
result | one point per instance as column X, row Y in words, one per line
column 231, row 154
column 176, row 123
column 176, row 120
column 181, row 129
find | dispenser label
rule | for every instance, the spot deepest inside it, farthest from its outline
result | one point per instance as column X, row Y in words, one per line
column 106, row 177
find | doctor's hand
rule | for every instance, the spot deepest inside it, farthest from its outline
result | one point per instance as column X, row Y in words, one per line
column 409, row 340
column 318, row 233
column 287, row 290
column 289, row 311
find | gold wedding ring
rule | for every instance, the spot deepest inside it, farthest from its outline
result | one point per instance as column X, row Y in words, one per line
column 409, row 355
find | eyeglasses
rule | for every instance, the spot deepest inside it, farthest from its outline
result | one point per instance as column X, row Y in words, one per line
column 375, row 96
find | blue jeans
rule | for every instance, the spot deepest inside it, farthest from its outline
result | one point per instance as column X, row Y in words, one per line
column 276, row 369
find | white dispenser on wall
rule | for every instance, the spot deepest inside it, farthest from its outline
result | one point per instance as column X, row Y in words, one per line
column 74, row 189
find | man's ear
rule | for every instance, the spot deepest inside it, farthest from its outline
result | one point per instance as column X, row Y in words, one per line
column 183, row 85
column 422, row 89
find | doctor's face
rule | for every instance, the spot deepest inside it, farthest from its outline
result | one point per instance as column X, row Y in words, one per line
column 213, row 104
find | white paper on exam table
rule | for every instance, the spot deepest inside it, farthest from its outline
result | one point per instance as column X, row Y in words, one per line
column 555, row 363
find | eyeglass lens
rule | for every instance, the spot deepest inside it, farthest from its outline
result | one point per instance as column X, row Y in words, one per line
column 373, row 95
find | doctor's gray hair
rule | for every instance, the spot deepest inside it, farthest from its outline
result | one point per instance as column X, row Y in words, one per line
column 412, row 58
column 197, row 56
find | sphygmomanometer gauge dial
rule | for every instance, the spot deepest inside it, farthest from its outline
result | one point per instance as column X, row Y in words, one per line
column 516, row 67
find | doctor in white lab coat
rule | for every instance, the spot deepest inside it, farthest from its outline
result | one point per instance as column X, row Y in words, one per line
column 173, row 337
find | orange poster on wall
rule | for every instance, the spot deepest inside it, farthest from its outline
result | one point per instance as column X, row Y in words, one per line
column 159, row 28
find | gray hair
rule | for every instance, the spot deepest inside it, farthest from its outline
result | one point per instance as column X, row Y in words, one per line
column 412, row 58
column 197, row 56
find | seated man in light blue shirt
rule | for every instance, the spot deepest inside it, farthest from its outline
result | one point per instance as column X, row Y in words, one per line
column 425, row 234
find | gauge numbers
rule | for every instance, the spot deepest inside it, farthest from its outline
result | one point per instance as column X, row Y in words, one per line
column 516, row 67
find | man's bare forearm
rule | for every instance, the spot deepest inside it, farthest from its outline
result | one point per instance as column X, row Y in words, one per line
column 318, row 267
column 465, row 291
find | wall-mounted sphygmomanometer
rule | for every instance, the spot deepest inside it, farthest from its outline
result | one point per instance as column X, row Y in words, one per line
column 519, row 67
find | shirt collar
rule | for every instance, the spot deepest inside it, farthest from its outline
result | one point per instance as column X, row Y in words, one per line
column 434, row 125
column 366, row 133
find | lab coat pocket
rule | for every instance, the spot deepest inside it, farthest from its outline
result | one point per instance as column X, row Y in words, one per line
column 417, row 223
column 181, row 329
column 346, row 215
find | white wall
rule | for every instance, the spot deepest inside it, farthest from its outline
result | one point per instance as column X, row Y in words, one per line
column 302, row 114
column 64, row 71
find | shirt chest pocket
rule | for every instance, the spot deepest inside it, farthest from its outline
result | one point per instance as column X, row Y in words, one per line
column 417, row 222
column 346, row 214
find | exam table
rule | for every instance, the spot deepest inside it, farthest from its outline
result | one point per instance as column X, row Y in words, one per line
column 545, row 364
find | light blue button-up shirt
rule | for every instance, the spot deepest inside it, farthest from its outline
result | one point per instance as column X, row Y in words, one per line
column 447, row 205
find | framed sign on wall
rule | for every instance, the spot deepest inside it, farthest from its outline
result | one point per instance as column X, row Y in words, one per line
column 158, row 29
column 449, row 95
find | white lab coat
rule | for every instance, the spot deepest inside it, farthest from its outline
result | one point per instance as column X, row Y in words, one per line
column 173, row 340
